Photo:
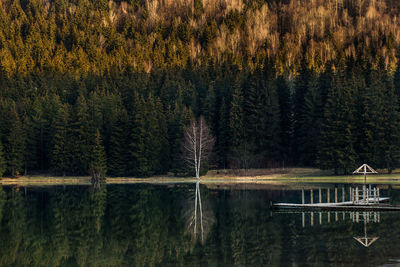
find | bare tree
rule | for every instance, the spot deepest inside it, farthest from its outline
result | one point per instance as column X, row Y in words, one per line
column 197, row 144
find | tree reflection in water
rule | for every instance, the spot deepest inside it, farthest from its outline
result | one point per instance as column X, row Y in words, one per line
column 199, row 220
column 180, row 225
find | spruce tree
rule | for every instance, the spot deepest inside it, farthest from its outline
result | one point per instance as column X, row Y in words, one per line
column 178, row 118
column 396, row 82
column 254, row 98
column 286, row 117
column 60, row 156
column 15, row 145
column 240, row 148
column 98, row 164
column 236, row 122
column 301, row 84
column 309, row 123
column 31, row 151
column 210, row 111
column 138, row 164
column 381, row 119
column 392, row 126
column 223, row 134
column 79, row 136
column 118, row 154
column 153, row 137
column 3, row 165
column 270, row 123
column 163, row 153
column 336, row 150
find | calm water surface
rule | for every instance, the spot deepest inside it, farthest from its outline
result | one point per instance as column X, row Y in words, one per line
column 159, row 225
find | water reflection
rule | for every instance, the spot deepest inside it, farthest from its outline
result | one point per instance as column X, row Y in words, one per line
column 185, row 224
column 354, row 216
column 198, row 223
column 365, row 240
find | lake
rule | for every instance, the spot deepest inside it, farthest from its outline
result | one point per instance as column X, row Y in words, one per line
column 159, row 225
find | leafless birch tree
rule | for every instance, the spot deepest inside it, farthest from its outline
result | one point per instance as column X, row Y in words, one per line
column 197, row 144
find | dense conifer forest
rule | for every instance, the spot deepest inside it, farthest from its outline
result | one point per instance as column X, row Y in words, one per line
column 279, row 82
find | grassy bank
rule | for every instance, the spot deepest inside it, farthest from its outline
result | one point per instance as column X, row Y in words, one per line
column 253, row 176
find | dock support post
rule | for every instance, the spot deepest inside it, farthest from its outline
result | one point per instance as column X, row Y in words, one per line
column 379, row 199
column 311, row 196
column 320, row 218
column 320, row 195
column 335, row 194
column 312, row 218
column 357, row 194
column 343, row 195
column 329, row 216
column 336, row 216
column 302, row 196
column 344, row 215
column 350, row 193
column 364, row 190
column 303, row 219
column 357, row 217
column 328, row 195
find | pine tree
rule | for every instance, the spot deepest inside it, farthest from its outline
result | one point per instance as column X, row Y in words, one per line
column 381, row 122
column 270, row 123
column 391, row 126
column 223, row 134
column 178, row 118
column 240, row 148
column 153, row 137
column 254, row 97
column 118, row 153
column 286, row 117
column 163, row 153
column 336, row 150
column 15, row 146
column 30, row 152
column 374, row 130
column 310, row 123
column 79, row 136
column 396, row 82
column 210, row 109
column 3, row 165
column 301, row 84
column 138, row 164
column 97, row 165
column 60, row 156
column 236, row 122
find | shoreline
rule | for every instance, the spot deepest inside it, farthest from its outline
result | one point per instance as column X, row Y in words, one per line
column 259, row 179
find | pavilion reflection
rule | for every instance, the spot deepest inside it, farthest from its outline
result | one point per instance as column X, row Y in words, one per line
column 313, row 218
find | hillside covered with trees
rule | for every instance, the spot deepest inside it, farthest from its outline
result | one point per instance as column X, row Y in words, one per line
column 279, row 82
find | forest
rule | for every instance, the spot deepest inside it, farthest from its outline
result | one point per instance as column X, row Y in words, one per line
column 279, row 82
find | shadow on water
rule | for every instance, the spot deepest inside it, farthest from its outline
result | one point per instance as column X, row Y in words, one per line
column 187, row 224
